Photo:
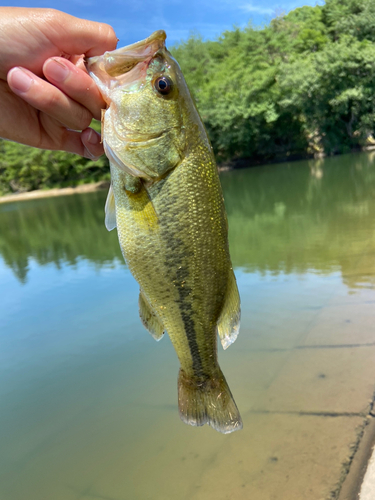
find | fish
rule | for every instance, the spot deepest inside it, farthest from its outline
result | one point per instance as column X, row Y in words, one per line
column 166, row 202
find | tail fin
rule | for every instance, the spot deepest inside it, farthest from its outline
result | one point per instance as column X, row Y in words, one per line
column 208, row 402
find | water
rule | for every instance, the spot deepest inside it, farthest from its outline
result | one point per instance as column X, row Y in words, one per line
column 88, row 400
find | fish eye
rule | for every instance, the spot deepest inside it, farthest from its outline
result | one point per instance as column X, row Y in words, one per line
column 163, row 85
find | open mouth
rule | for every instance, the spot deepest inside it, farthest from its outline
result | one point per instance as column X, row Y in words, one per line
column 119, row 65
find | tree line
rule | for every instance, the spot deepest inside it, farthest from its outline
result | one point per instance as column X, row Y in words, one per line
column 304, row 85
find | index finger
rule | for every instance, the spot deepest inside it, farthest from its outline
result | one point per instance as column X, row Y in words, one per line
column 75, row 83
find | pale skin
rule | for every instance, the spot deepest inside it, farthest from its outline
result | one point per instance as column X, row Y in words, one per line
column 47, row 99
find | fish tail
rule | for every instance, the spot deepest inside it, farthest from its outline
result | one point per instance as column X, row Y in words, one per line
column 208, row 401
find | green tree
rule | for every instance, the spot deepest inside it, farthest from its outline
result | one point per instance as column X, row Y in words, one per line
column 23, row 168
column 302, row 85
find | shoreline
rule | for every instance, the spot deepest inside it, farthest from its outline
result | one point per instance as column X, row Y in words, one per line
column 236, row 164
column 229, row 165
column 48, row 193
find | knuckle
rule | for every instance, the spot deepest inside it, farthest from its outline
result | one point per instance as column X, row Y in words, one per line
column 51, row 100
column 82, row 118
column 51, row 15
column 109, row 35
column 70, row 114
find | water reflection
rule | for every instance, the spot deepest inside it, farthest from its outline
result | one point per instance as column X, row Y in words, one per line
column 56, row 230
column 287, row 218
column 88, row 400
column 293, row 217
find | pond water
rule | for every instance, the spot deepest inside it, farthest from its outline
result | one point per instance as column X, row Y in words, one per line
column 88, row 400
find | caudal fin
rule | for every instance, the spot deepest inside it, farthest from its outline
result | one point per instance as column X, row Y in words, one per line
column 208, row 402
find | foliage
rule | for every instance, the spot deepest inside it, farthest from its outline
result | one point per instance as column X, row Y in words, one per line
column 302, row 85
column 23, row 168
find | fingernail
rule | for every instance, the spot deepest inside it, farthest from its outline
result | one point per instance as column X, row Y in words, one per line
column 93, row 138
column 89, row 155
column 56, row 70
column 20, row 80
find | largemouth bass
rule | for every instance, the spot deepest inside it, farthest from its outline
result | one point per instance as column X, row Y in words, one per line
column 166, row 202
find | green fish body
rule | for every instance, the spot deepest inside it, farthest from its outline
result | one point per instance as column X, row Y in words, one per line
column 167, row 204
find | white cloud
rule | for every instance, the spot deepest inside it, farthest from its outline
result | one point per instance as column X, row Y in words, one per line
column 257, row 9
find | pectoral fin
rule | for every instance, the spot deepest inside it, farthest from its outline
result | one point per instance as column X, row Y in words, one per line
column 229, row 321
column 110, row 210
column 149, row 318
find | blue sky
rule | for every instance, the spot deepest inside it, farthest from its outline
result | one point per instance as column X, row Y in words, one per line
column 136, row 19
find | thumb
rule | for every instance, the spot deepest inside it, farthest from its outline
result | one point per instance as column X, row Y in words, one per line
column 79, row 36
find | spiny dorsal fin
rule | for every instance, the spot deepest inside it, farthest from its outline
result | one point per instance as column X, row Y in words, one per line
column 228, row 325
column 110, row 210
column 149, row 318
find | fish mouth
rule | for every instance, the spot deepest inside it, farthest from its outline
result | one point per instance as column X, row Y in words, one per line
column 112, row 67
column 120, row 61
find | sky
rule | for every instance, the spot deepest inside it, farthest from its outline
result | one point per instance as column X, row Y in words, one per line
column 134, row 20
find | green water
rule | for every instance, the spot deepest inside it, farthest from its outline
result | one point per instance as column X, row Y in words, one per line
column 88, row 400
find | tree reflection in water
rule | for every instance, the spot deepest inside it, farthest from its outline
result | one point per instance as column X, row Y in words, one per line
column 292, row 217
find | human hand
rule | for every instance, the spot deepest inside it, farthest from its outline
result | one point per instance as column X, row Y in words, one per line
column 47, row 99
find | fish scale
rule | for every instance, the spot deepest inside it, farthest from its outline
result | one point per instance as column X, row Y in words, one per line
column 169, row 211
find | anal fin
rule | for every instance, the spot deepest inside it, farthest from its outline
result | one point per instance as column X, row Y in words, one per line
column 228, row 325
column 149, row 318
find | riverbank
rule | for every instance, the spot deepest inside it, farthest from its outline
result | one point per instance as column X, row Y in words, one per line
column 87, row 188
column 238, row 163
column 47, row 193
column 234, row 164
